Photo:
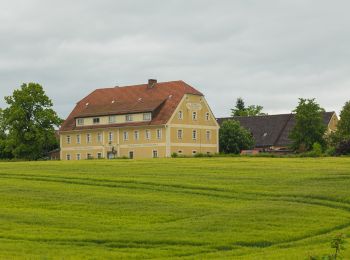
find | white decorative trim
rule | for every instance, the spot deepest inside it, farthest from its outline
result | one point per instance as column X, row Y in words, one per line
column 207, row 127
column 142, row 145
column 193, row 145
column 81, row 148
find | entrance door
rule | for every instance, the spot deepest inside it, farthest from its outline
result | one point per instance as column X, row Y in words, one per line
column 131, row 155
column 110, row 155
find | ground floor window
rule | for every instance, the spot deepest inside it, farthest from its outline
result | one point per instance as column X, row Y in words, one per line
column 179, row 151
column 155, row 154
column 110, row 155
column 194, row 152
column 78, row 156
column 89, row 156
column 68, row 157
column 131, row 155
column 99, row 155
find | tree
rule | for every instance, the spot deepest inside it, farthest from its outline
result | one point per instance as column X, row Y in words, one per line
column 343, row 127
column 309, row 127
column 234, row 138
column 30, row 122
column 3, row 153
column 241, row 110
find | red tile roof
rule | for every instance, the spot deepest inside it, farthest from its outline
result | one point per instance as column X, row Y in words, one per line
column 162, row 100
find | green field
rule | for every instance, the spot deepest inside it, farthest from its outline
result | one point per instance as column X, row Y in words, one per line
column 220, row 208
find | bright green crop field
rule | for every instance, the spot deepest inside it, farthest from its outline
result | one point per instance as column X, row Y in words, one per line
column 195, row 208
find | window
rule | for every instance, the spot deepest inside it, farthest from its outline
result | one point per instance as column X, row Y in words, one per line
column 194, row 134
column 99, row 155
column 179, row 151
column 89, row 156
column 68, row 139
column 78, row 139
column 68, row 157
column 147, row 116
column 148, row 134
column 136, row 135
column 194, row 152
column 131, row 155
column 126, row 135
column 208, row 135
column 78, row 156
column 88, row 138
column 179, row 134
column 207, row 116
column 112, row 119
column 128, row 118
column 99, row 137
column 155, row 154
column 110, row 136
column 80, row 121
column 180, row 115
column 159, row 133
column 194, row 115
column 96, row 120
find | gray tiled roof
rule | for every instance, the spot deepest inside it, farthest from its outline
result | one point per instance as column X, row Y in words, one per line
column 271, row 130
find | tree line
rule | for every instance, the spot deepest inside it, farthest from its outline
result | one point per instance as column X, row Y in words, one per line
column 308, row 135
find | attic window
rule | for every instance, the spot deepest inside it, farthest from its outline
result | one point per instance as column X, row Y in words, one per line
column 87, row 104
column 96, row 120
column 128, row 118
column 170, row 96
column 140, row 99
column 265, row 134
column 80, row 121
column 147, row 116
column 113, row 101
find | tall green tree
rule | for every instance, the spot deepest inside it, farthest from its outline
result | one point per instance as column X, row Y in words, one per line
column 309, row 127
column 234, row 138
column 343, row 127
column 30, row 122
column 241, row 110
column 3, row 153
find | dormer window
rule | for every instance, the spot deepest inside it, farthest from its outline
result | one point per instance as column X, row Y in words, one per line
column 80, row 121
column 112, row 119
column 128, row 118
column 147, row 116
column 96, row 120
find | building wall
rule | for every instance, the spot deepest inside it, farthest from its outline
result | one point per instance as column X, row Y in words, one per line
column 204, row 122
column 205, row 139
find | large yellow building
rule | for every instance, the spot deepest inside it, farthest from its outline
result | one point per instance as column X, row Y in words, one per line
column 141, row 121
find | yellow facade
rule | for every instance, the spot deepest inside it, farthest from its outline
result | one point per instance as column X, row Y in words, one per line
column 191, row 129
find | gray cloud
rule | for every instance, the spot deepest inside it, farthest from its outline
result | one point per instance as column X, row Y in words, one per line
column 268, row 52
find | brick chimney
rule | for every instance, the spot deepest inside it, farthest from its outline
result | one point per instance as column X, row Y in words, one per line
column 151, row 83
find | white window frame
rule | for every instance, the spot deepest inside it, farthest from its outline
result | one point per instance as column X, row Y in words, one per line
column 99, row 137
column 148, row 134
column 207, row 116
column 97, row 119
column 112, row 119
column 159, row 134
column 78, row 139
column 126, row 135
column 68, row 139
column 194, row 134
column 208, row 135
column 147, row 116
column 110, row 137
column 88, row 138
column 80, row 121
column 89, row 156
column 99, row 155
column 68, row 157
column 136, row 135
column 128, row 118
column 180, row 115
column 194, row 115
column 78, row 155
column 155, row 154
column 180, row 136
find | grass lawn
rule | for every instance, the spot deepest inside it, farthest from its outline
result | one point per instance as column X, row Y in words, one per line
column 220, row 208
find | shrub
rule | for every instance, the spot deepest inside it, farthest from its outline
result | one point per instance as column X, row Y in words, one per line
column 343, row 148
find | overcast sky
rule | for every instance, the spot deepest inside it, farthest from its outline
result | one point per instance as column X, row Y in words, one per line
column 267, row 52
